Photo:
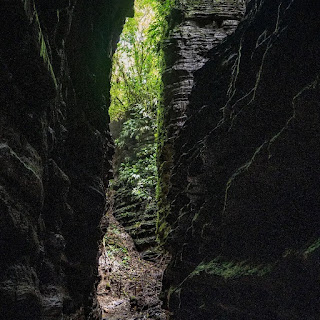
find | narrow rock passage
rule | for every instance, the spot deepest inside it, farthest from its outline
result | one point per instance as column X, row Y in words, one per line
column 129, row 286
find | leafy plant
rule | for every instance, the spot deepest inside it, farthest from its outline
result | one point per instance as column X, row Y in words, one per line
column 136, row 79
column 136, row 88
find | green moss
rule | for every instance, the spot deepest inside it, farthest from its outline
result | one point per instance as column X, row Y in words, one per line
column 165, row 151
column 174, row 292
column 232, row 269
column 163, row 230
column 313, row 247
column 32, row 14
column 44, row 52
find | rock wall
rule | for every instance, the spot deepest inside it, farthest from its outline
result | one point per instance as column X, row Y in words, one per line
column 195, row 27
column 243, row 193
column 55, row 147
column 136, row 212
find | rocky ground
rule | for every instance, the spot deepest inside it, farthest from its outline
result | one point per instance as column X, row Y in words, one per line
column 129, row 286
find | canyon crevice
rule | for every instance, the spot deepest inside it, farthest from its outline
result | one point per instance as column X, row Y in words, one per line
column 238, row 191
column 241, row 210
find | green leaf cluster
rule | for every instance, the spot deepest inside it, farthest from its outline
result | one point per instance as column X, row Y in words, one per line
column 138, row 171
column 136, row 89
column 135, row 75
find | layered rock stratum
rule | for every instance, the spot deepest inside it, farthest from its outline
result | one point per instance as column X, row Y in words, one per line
column 55, row 152
column 241, row 214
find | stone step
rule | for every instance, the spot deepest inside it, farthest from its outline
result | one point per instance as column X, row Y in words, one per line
column 140, row 234
column 145, row 243
column 132, row 219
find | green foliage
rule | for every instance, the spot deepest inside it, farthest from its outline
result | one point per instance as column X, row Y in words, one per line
column 164, row 151
column 114, row 247
column 136, row 76
column 312, row 248
column 138, row 171
column 138, row 61
column 136, row 89
column 232, row 269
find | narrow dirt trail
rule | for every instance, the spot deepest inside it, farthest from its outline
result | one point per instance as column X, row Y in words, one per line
column 129, row 286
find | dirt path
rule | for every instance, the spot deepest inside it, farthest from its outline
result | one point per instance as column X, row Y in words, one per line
column 129, row 286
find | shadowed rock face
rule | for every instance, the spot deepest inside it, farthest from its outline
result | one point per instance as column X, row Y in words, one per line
column 239, row 163
column 243, row 194
column 55, row 148
column 195, row 28
column 198, row 26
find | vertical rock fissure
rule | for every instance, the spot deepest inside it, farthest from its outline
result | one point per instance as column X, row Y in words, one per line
column 131, row 262
column 196, row 28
